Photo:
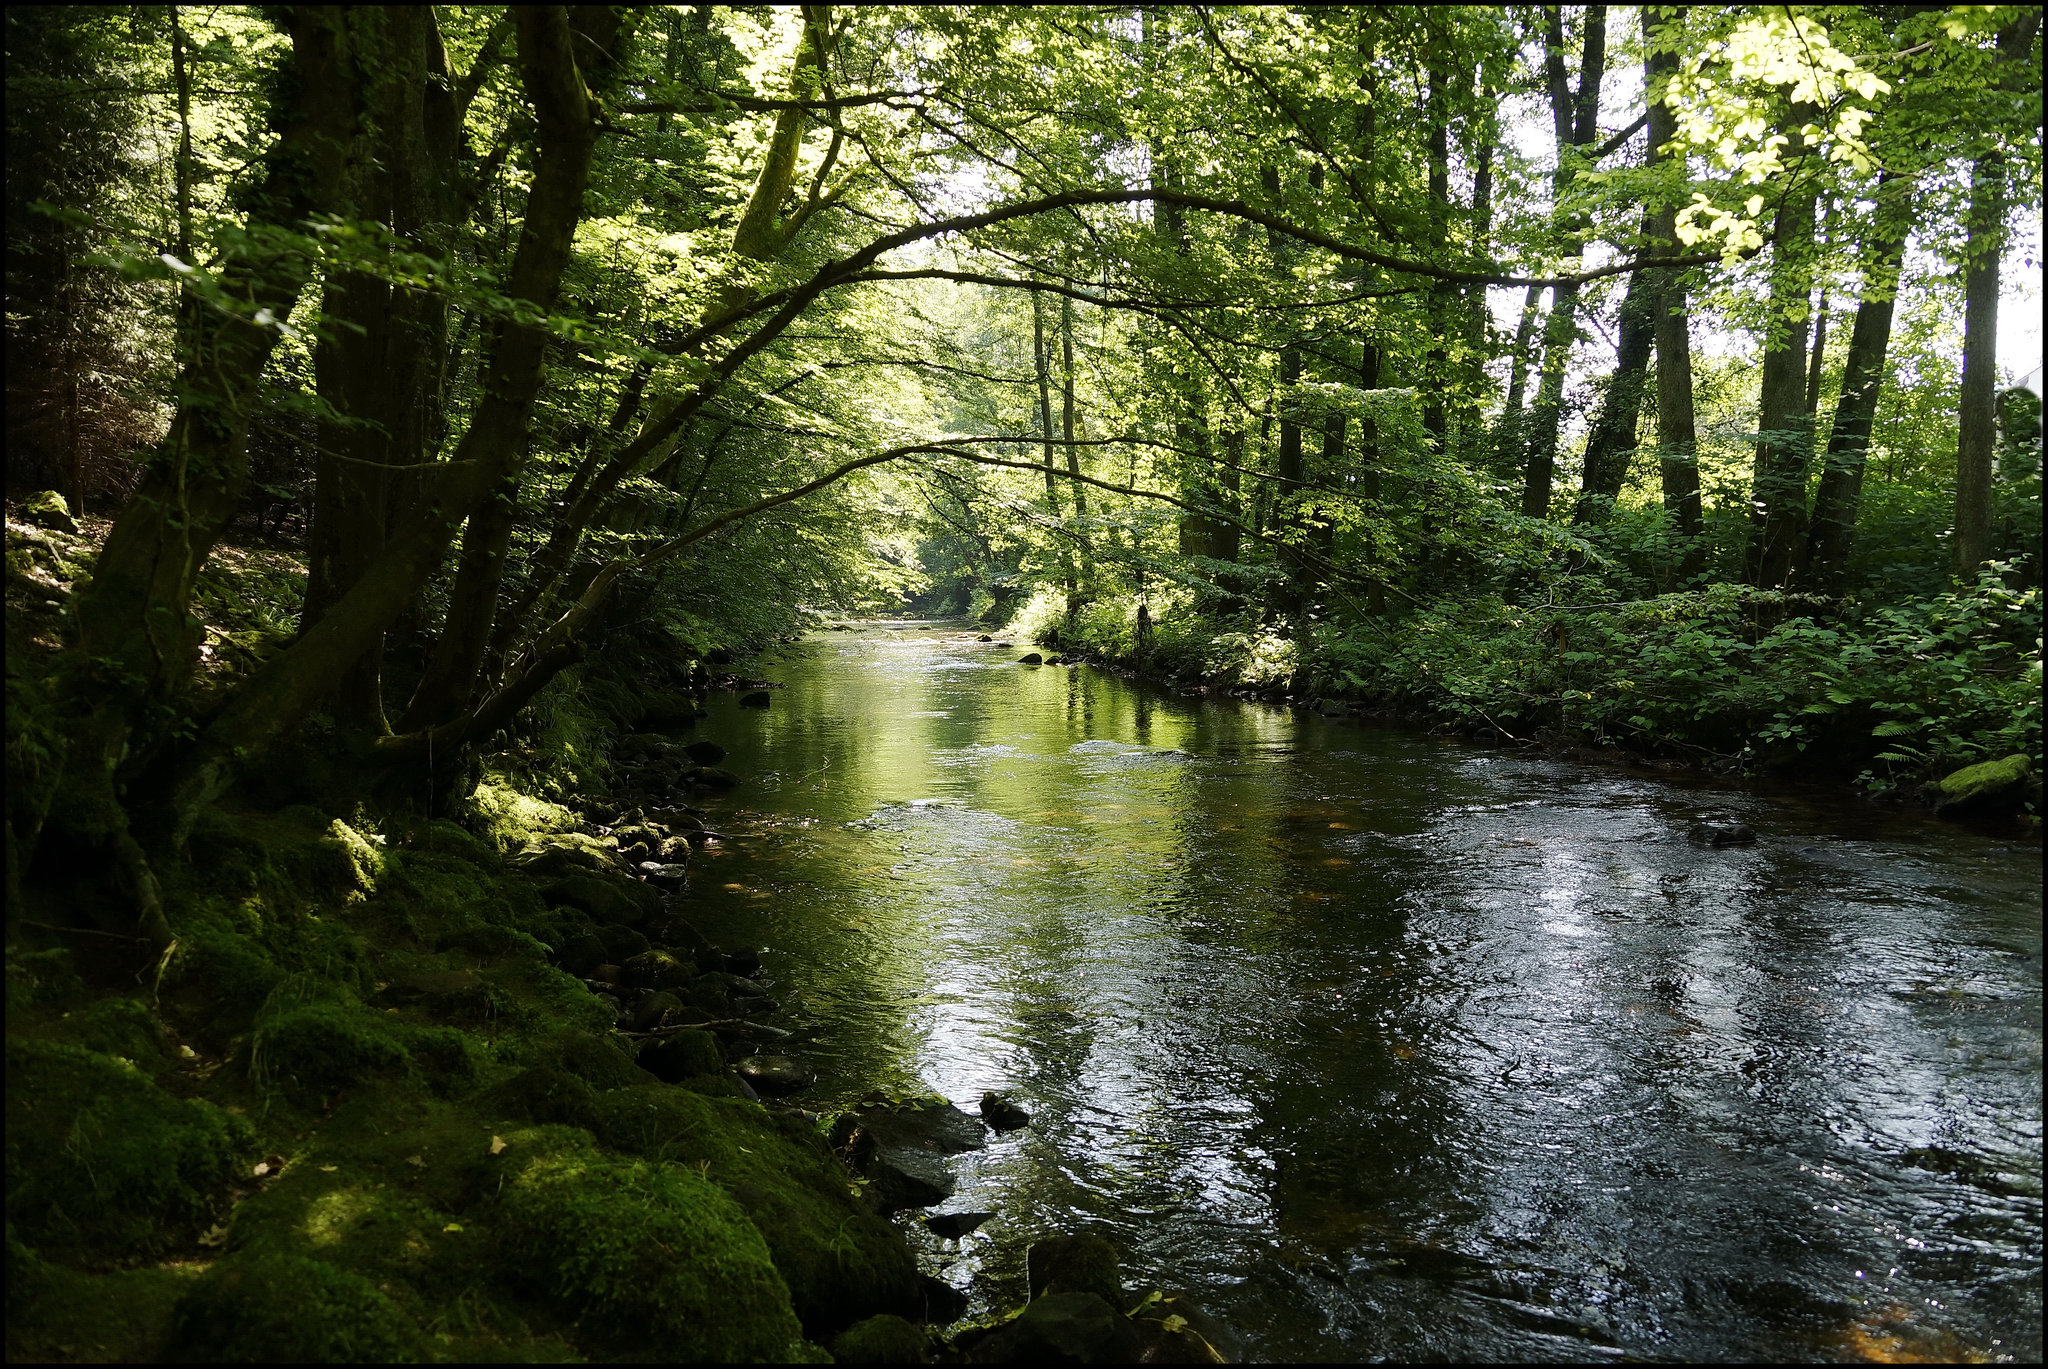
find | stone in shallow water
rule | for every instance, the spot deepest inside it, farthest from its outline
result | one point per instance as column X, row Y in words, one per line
column 774, row 1074
column 759, row 698
column 1720, row 834
column 954, row 1225
column 664, row 875
column 1002, row 1112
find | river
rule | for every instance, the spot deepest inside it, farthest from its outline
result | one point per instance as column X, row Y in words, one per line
column 1386, row 1045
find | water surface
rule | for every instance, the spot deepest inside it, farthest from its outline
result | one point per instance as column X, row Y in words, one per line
column 1389, row 1046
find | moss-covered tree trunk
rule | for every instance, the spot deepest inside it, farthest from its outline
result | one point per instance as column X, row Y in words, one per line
column 280, row 694
column 137, row 641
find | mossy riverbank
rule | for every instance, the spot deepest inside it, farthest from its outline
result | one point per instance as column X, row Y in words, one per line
column 374, row 1103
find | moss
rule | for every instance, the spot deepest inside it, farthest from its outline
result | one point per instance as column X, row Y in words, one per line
column 121, row 1027
column 312, row 1050
column 881, row 1340
column 543, row 1094
column 58, row 1313
column 448, row 1058
column 508, row 820
column 653, row 1258
column 36, row 978
column 839, row 1259
column 101, row 1160
column 219, row 979
column 279, row 1308
column 1985, row 778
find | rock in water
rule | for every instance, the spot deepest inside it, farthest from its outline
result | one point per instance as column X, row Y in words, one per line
column 984, row 637
column 954, row 1225
column 705, row 753
column 1031, row 658
column 1063, row 1328
column 1175, row 1331
column 1719, row 834
column 883, row 1339
column 759, row 698
column 1002, row 1112
column 663, row 875
column 777, row 1074
column 901, row 1149
column 1074, row 1264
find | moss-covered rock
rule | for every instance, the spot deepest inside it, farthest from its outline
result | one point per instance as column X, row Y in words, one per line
column 680, row 1055
column 218, row 979
column 119, row 1316
column 603, row 899
column 884, row 1339
column 101, row 1160
column 651, row 1258
column 278, row 1308
column 47, row 509
column 841, row 1261
column 1985, row 787
column 121, row 1027
column 314, row 1050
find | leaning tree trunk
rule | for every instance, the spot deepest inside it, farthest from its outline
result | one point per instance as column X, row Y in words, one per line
column 1612, row 441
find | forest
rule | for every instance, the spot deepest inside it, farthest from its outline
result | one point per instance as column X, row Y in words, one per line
column 416, row 413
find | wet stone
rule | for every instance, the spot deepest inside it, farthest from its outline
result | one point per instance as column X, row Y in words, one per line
column 759, row 698
column 1074, row 1264
column 954, row 1225
column 705, row 753
column 664, row 875
column 1003, row 1113
column 1721, row 834
column 777, row 1074
column 1031, row 658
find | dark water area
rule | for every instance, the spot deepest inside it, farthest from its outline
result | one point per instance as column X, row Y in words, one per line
column 1384, row 1045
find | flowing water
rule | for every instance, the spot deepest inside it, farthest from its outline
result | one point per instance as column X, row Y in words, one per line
column 1383, row 1045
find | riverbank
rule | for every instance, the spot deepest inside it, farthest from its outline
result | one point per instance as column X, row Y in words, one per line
column 1730, row 681
column 408, row 1087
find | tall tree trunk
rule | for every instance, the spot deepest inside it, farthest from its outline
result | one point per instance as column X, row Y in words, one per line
column 1977, row 430
column 1575, row 122
column 1042, row 366
column 1286, row 598
column 279, row 694
column 1678, row 460
column 1435, row 420
column 380, row 364
column 136, row 643
column 1841, row 476
column 1784, row 447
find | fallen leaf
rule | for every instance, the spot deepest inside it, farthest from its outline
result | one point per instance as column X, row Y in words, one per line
column 261, row 1169
column 187, row 1053
column 452, row 1226
column 497, row 1145
column 416, row 1161
column 329, row 1169
column 215, row 1235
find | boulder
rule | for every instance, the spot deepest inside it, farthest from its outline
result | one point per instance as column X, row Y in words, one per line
column 603, row 900
column 47, row 509
column 1063, row 1328
column 1175, row 1331
column 1721, row 834
column 655, row 970
column 669, row 711
column 1031, row 658
column 620, row 943
column 743, row 960
column 664, row 875
column 900, row 1177
column 647, row 1012
column 682, row 1055
column 759, row 698
column 884, row 1339
column 1984, row 789
column 1074, row 1264
column 772, row 1075
column 581, row 954
column 711, row 777
column 1002, row 1112
column 704, row 753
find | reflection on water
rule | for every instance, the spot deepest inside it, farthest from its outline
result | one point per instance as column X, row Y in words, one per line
column 1389, row 1046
